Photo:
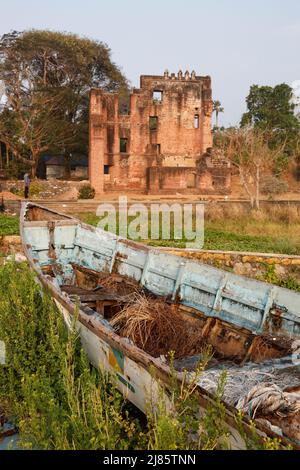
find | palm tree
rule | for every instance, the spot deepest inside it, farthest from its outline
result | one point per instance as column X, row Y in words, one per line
column 217, row 108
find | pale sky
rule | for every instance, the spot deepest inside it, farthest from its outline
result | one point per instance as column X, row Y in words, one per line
column 237, row 42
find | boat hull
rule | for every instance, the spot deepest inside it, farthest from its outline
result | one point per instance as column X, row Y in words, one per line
column 249, row 306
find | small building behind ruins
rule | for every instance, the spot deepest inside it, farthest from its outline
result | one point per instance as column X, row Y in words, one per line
column 76, row 168
column 160, row 143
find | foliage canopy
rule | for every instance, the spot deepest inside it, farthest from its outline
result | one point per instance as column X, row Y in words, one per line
column 46, row 77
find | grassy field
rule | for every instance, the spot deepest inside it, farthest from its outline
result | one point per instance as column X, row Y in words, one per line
column 9, row 225
column 238, row 233
column 260, row 232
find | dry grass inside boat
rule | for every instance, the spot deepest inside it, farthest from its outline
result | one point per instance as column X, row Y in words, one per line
column 157, row 327
column 118, row 285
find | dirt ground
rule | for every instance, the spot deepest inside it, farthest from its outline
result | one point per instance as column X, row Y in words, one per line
column 59, row 190
column 41, row 189
column 8, row 196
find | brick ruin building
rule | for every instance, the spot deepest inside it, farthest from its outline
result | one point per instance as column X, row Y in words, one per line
column 161, row 144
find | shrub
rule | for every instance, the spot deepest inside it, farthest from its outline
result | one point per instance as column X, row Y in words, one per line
column 273, row 185
column 86, row 191
column 272, row 277
column 287, row 214
column 15, row 190
column 35, row 189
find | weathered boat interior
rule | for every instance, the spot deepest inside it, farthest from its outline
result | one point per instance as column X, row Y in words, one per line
column 161, row 302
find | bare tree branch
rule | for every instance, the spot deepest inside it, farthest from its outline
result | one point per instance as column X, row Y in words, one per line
column 249, row 151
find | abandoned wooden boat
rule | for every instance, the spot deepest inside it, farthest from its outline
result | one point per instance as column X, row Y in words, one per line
column 252, row 326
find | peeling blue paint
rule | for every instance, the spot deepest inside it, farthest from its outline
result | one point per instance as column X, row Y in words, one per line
column 244, row 302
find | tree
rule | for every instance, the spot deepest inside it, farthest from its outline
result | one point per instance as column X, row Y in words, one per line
column 47, row 77
column 33, row 128
column 249, row 152
column 272, row 109
column 217, row 108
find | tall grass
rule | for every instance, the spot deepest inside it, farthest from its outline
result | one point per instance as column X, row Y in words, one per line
column 9, row 225
column 277, row 213
column 234, row 227
column 55, row 398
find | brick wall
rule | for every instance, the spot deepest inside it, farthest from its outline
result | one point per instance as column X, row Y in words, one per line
column 172, row 130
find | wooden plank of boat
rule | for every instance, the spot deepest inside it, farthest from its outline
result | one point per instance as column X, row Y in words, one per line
column 242, row 318
column 88, row 296
column 7, row 432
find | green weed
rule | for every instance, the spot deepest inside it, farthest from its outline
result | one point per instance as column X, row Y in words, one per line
column 9, row 225
column 58, row 400
column 271, row 277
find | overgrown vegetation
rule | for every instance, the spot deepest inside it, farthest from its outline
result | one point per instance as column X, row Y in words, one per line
column 276, row 230
column 234, row 227
column 9, row 225
column 55, row 398
column 58, row 401
column 178, row 424
column 271, row 277
column 36, row 187
column 86, row 191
